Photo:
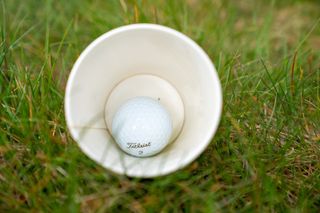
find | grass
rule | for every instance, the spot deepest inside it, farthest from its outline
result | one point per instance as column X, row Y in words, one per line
column 265, row 156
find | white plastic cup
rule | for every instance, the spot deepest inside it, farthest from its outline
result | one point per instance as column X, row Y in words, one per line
column 143, row 50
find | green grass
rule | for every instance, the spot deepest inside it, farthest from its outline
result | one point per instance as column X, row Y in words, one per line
column 265, row 156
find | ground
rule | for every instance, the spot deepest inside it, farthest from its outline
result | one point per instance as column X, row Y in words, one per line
column 265, row 156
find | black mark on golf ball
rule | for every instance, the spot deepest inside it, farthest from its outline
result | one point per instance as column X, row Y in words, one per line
column 137, row 145
column 140, row 152
column 158, row 99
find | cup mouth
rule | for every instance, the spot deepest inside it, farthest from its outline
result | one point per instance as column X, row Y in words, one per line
column 177, row 164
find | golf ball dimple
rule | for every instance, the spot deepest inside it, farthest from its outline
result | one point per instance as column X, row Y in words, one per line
column 142, row 127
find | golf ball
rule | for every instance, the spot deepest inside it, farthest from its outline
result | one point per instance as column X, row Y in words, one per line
column 142, row 127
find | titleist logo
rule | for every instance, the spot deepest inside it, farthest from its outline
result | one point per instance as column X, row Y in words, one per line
column 137, row 145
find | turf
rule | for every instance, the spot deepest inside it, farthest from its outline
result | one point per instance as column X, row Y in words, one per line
column 265, row 156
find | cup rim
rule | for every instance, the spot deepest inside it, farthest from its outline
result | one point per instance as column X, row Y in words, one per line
column 189, row 41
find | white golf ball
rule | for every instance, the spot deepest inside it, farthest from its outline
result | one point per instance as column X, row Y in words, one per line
column 142, row 127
